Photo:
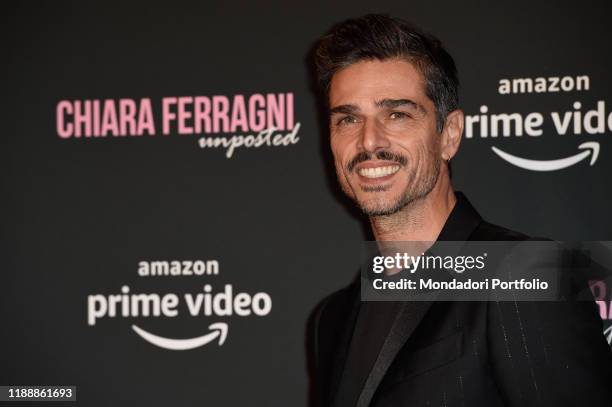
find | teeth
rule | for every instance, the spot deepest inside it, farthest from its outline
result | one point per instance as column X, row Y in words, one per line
column 378, row 172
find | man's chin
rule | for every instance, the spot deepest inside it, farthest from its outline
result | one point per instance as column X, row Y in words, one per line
column 380, row 208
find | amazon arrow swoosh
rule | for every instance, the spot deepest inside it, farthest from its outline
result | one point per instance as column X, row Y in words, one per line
column 591, row 148
column 219, row 328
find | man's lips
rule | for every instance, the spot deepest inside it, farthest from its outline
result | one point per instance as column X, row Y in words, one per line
column 377, row 170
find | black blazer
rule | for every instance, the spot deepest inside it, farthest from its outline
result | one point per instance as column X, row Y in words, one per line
column 469, row 353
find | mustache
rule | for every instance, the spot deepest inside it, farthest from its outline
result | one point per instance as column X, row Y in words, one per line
column 381, row 155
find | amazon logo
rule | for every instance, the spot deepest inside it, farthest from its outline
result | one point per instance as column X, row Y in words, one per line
column 590, row 149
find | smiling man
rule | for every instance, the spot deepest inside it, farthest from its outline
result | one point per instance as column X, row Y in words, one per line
column 395, row 124
column 375, row 105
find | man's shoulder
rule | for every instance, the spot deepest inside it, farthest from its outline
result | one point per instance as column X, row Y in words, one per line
column 337, row 304
column 465, row 223
column 486, row 231
column 331, row 319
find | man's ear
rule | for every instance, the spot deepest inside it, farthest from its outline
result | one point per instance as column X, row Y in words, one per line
column 451, row 134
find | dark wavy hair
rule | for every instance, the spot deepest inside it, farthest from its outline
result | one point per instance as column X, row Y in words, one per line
column 380, row 37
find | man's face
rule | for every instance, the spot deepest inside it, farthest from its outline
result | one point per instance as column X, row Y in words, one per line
column 383, row 135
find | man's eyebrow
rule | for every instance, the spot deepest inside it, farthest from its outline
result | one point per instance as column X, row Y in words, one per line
column 393, row 103
column 344, row 109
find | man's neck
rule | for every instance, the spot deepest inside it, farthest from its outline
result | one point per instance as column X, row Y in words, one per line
column 421, row 220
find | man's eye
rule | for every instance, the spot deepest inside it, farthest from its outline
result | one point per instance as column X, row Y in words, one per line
column 398, row 115
column 346, row 120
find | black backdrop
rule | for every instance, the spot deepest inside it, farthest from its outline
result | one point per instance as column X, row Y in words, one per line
column 80, row 214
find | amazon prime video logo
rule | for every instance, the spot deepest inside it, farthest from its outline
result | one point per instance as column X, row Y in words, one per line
column 208, row 302
column 590, row 119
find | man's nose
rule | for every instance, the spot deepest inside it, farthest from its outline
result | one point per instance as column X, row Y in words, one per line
column 372, row 137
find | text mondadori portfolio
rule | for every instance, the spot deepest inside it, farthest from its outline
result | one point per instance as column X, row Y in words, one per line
column 469, row 284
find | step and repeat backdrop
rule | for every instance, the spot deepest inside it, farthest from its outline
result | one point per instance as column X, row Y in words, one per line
column 170, row 213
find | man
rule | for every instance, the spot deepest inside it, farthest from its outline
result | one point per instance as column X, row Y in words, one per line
column 395, row 126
